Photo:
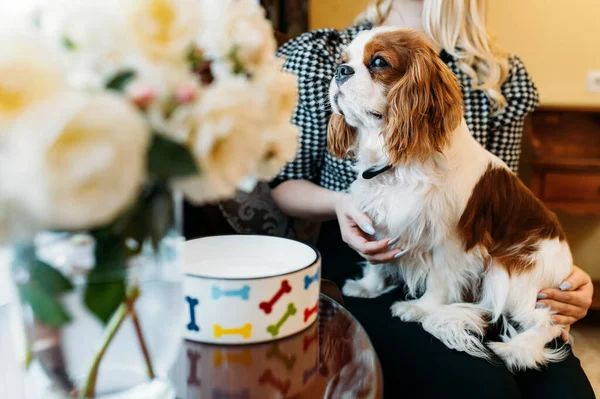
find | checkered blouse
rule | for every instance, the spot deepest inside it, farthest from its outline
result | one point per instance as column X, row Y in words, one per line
column 314, row 56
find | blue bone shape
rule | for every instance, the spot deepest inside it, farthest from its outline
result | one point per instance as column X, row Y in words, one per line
column 243, row 293
column 308, row 280
column 192, row 302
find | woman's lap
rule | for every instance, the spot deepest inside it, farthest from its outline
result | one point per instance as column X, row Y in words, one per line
column 415, row 364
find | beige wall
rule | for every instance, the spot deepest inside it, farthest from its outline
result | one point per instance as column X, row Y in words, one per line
column 559, row 41
column 334, row 13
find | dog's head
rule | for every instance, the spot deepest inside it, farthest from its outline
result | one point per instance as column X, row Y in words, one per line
column 393, row 89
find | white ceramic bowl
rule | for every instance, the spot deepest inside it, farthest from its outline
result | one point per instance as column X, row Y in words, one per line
column 246, row 289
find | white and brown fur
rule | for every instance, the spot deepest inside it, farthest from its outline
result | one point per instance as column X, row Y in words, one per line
column 473, row 230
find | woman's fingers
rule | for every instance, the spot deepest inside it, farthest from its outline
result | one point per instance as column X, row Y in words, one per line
column 385, row 257
column 564, row 320
column 564, row 309
column 580, row 298
column 362, row 221
column 565, row 334
column 577, row 279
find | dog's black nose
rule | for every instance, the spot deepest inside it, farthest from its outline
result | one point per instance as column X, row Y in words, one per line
column 344, row 72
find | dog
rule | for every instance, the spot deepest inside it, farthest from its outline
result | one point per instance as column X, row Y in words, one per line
column 471, row 227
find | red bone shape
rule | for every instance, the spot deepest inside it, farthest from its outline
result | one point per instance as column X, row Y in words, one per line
column 285, row 288
column 267, row 377
column 310, row 312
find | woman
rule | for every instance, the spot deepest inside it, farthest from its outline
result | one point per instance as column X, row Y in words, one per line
column 498, row 94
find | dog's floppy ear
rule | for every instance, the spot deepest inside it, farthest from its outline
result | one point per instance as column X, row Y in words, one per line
column 424, row 107
column 340, row 137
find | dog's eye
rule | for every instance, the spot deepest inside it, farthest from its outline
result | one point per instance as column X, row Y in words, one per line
column 379, row 63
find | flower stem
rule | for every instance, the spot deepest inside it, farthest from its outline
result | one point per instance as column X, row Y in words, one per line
column 138, row 331
column 89, row 390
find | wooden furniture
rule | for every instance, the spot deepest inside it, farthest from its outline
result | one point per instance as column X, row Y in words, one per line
column 596, row 299
column 566, row 164
column 566, row 161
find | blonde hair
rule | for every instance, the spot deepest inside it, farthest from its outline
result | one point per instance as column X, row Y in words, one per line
column 458, row 26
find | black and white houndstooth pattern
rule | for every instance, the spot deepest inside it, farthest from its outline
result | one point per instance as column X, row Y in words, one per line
column 313, row 57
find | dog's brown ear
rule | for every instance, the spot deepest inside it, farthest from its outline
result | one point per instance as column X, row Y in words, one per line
column 424, row 107
column 340, row 137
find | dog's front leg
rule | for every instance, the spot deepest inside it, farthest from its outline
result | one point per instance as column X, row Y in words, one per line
column 460, row 326
column 371, row 285
column 415, row 310
column 443, row 286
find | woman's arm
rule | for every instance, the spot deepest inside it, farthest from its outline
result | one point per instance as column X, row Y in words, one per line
column 505, row 129
column 306, row 200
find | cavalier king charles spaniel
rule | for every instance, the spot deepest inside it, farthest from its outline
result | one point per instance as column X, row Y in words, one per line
column 480, row 245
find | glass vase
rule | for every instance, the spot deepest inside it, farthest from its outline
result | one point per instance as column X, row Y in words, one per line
column 115, row 332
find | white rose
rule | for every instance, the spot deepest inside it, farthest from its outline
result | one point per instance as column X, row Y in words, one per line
column 282, row 146
column 28, row 75
column 240, row 27
column 89, row 36
column 164, row 29
column 228, row 142
column 278, row 89
column 76, row 161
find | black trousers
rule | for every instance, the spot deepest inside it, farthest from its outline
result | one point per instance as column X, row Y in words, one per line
column 416, row 365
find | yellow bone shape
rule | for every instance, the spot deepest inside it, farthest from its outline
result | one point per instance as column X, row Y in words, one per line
column 240, row 357
column 245, row 331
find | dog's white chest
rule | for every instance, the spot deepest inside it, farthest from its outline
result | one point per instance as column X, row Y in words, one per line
column 412, row 211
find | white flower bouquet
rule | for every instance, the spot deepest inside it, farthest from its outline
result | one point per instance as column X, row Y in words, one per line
column 106, row 108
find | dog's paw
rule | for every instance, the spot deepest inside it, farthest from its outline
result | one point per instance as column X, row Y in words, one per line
column 408, row 311
column 355, row 289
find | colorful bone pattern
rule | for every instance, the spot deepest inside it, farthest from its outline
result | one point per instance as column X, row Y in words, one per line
column 243, row 293
column 267, row 378
column 220, row 394
column 309, row 340
column 285, row 288
column 288, row 360
column 244, row 331
column 308, row 280
column 309, row 312
column 273, row 329
column 243, row 358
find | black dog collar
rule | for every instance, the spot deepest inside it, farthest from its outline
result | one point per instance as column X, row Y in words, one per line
column 374, row 172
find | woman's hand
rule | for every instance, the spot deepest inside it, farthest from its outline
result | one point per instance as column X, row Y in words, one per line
column 572, row 300
column 357, row 231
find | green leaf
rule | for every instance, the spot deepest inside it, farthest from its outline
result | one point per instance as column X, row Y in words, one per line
column 104, row 298
column 120, row 80
column 168, row 159
column 51, row 280
column 46, row 307
column 159, row 214
column 105, row 289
